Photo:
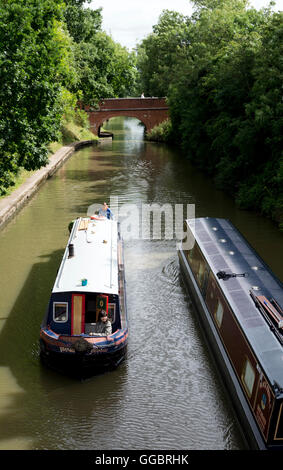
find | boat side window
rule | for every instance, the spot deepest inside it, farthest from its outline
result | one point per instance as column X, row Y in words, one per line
column 90, row 311
column 248, row 377
column 202, row 273
column 219, row 313
column 190, row 254
column 60, row 312
column 111, row 312
column 198, row 266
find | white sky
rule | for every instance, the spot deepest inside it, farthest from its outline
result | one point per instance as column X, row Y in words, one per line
column 130, row 21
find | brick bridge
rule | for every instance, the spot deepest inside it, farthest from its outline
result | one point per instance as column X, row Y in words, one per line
column 150, row 111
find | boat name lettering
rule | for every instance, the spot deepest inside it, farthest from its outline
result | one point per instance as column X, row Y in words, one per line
column 64, row 349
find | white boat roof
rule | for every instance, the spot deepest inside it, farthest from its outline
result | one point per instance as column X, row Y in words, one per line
column 95, row 258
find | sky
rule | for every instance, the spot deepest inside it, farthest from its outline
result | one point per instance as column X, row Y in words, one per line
column 130, row 21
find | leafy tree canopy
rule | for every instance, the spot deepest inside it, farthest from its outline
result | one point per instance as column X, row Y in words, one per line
column 35, row 55
column 52, row 52
column 221, row 70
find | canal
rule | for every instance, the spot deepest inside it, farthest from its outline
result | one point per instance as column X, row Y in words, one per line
column 167, row 394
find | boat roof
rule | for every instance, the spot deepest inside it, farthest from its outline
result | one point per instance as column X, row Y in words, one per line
column 227, row 250
column 95, row 258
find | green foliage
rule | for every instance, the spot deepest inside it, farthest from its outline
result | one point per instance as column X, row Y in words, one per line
column 52, row 53
column 105, row 69
column 82, row 23
column 161, row 133
column 224, row 88
column 33, row 64
column 72, row 116
column 123, row 72
column 156, row 55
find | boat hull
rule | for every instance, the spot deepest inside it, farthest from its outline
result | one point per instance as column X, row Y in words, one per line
column 248, row 426
column 82, row 364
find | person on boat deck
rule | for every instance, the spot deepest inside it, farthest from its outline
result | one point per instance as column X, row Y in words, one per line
column 105, row 211
column 103, row 327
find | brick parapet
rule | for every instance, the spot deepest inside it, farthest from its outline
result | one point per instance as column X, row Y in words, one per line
column 150, row 111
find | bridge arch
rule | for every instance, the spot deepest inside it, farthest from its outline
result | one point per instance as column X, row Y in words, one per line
column 150, row 111
column 131, row 115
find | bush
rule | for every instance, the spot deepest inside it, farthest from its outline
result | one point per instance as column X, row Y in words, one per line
column 161, row 133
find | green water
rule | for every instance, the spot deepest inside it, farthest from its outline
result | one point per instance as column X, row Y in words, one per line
column 167, row 394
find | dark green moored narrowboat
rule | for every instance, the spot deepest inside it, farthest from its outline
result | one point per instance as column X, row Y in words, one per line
column 239, row 302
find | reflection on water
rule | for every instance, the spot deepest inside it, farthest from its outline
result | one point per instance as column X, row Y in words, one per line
column 167, row 394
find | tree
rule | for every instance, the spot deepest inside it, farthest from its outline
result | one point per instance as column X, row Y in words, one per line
column 105, row 69
column 224, row 89
column 82, row 23
column 264, row 121
column 123, row 72
column 51, row 53
column 158, row 53
column 34, row 66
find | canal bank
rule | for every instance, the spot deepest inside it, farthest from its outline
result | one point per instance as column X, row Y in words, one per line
column 11, row 204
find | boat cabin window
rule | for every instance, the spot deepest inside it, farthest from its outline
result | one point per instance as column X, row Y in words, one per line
column 111, row 312
column 219, row 313
column 60, row 312
column 198, row 266
column 248, row 377
column 90, row 309
column 93, row 304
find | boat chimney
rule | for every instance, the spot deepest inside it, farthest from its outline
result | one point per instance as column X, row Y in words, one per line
column 71, row 250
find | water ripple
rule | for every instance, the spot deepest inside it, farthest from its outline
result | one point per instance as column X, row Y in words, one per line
column 166, row 395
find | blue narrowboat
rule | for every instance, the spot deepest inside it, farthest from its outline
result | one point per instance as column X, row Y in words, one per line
column 90, row 278
column 239, row 303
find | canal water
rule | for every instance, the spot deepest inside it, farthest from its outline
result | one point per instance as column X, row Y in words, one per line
column 168, row 393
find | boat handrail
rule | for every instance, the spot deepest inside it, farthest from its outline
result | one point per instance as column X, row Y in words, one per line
column 72, row 236
column 266, row 313
column 272, row 311
column 111, row 257
column 111, row 251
